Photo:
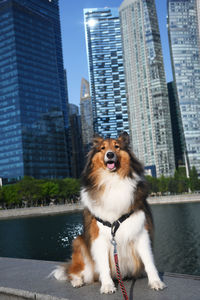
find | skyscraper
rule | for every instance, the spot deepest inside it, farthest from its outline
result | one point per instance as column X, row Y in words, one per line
column 106, row 71
column 183, row 36
column 75, row 139
column 198, row 15
column 33, row 110
column 86, row 115
column 177, row 126
column 148, row 103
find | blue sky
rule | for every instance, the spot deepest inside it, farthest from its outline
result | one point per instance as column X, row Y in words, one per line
column 73, row 40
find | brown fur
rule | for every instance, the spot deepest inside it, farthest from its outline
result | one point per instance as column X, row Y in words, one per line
column 77, row 264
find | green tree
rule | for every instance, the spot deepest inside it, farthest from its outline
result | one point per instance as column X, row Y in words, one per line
column 172, row 185
column 182, row 180
column 153, row 184
column 11, row 195
column 69, row 188
column 50, row 190
column 163, row 184
column 29, row 191
column 1, row 197
column 194, row 182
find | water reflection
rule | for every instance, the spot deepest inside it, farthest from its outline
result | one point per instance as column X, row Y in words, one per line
column 177, row 246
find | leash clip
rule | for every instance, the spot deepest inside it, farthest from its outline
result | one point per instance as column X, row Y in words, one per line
column 114, row 227
column 114, row 243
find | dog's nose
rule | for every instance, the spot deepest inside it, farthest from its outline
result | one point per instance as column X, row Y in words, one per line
column 110, row 155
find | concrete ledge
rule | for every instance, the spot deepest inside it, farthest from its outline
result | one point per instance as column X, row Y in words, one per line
column 28, row 279
column 39, row 211
column 14, row 294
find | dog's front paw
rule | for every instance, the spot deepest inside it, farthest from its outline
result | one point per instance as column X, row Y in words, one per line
column 108, row 288
column 157, row 285
column 77, row 281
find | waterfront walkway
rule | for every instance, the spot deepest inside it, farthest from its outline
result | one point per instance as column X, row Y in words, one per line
column 22, row 279
column 58, row 209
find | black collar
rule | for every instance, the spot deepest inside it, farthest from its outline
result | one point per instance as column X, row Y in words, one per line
column 115, row 225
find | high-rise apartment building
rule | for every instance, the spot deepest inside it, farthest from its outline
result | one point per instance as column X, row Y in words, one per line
column 86, row 115
column 183, row 37
column 106, row 71
column 148, row 102
column 33, row 109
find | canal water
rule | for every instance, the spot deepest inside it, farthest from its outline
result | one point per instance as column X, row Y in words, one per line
column 176, row 247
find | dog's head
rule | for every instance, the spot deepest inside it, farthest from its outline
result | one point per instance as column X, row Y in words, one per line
column 111, row 154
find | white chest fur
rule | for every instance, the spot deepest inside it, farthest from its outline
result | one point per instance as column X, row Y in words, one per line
column 115, row 199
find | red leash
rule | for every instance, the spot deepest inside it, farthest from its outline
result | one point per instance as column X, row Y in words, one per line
column 119, row 277
column 114, row 227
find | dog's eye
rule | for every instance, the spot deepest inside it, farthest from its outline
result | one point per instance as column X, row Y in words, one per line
column 116, row 146
column 102, row 148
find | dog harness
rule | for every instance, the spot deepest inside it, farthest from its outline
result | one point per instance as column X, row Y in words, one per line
column 114, row 227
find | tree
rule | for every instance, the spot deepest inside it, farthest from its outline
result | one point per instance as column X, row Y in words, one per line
column 1, row 197
column 163, row 184
column 69, row 188
column 172, row 185
column 11, row 195
column 194, row 182
column 29, row 190
column 182, row 180
column 153, row 184
column 49, row 191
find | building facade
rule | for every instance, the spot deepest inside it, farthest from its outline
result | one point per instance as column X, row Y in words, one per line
column 86, row 116
column 106, row 71
column 177, row 126
column 75, row 141
column 33, row 110
column 184, row 46
column 148, row 102
column 198, row 15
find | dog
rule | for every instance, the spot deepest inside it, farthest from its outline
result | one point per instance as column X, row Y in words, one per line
column 113, row 191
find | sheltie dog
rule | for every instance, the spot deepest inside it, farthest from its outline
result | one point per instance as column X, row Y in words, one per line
column 113, row 186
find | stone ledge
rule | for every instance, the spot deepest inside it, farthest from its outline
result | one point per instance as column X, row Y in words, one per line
column 22, row 279
column 15, row 294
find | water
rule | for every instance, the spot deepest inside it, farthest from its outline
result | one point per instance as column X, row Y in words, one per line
column 176, row 247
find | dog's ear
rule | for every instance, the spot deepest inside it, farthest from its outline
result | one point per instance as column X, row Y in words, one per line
column 97, row 140
column 124, row 139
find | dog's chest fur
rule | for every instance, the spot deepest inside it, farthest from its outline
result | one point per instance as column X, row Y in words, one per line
column 113, row 197
column 115, row 200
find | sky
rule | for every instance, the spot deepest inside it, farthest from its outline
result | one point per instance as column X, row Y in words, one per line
column 73, row 40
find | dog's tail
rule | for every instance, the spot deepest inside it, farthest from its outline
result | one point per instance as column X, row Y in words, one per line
column 60, row 272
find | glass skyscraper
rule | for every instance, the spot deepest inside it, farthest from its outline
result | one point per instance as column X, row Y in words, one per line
column 183, row 36
column 106, row 71
column 86, row 115
column 148, row 102
column 33, row 108
column 177, row 126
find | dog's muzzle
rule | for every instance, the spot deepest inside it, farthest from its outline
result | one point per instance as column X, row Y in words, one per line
column 110, row 160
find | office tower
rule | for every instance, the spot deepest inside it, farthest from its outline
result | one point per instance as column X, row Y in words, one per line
column 198, row 15
column 75, row 141
column 183, row 37
column 33, row 110
column 106, row 71
column 148, row 103
column 177, row 126
column 86, row 115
